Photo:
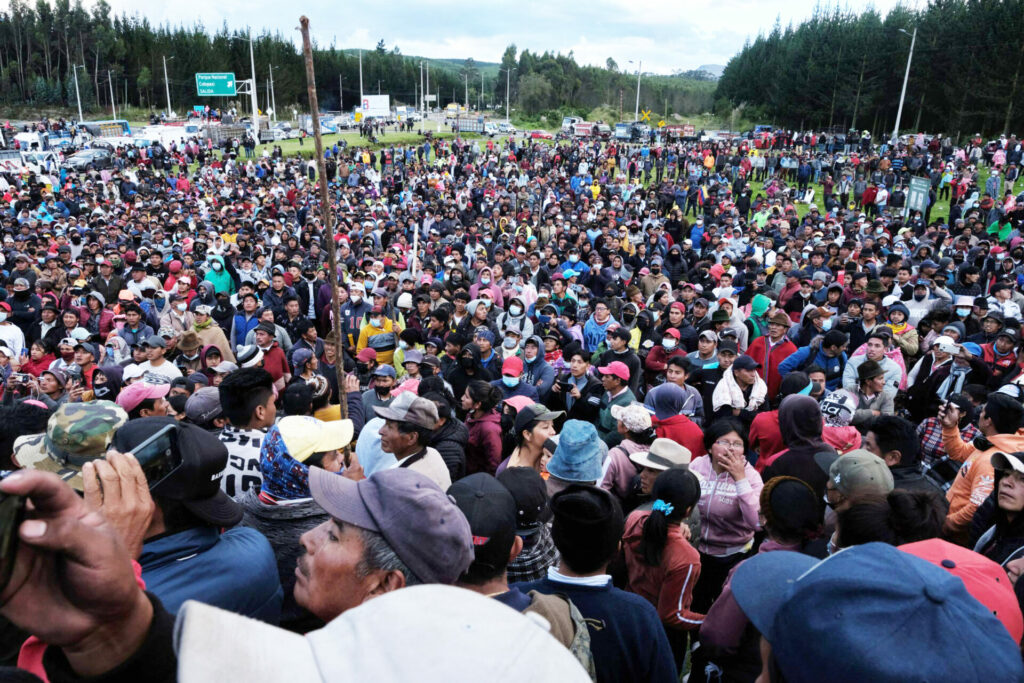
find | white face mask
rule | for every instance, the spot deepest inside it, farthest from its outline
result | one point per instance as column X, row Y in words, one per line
column 515, row 310
column 668, row 343
column 181, row 307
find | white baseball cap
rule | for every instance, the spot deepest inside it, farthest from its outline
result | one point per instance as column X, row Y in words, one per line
column 459, row 634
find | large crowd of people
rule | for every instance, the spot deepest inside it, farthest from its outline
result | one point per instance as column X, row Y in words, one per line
column 685, row 427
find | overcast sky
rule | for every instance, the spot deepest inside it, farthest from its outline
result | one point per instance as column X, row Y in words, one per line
column 665, row 36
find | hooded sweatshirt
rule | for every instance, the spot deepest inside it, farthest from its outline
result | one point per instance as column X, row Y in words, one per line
column 220, row 280
column 801, row 425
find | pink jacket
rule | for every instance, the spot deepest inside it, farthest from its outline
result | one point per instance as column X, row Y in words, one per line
column 728, row 509
column 619, row 469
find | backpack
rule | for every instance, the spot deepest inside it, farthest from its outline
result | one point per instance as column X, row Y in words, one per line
column 553, row 609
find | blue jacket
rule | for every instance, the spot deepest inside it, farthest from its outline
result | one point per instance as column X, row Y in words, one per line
column 833, row 366
column 235, row 571
column 243, row 327
column 626, row 636
column 521, row 389
column 539, row 374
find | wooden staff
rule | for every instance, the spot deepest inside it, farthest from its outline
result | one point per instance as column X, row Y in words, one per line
column 325, row 215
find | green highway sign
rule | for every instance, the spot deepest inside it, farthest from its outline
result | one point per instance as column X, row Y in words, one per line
column 215, row 84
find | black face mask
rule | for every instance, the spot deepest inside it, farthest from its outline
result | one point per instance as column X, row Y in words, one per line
column 362, row 368
column 101, row 391
column 467, row 363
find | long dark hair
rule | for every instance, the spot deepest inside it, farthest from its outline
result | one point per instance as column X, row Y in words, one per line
column 485, row 394
column 678, row 487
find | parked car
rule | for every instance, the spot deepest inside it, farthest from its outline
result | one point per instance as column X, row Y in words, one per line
column 507, row 128
column 97, row 158
column 541, row 135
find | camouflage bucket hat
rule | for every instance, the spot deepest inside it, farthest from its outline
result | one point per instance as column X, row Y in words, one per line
column 75, row 434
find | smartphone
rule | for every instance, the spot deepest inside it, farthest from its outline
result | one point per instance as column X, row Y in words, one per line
column 159, row 454
column 12, row 513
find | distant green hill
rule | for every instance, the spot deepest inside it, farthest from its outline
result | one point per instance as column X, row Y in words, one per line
column 448, row 65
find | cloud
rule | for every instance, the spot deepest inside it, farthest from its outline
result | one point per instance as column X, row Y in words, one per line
column 665, row 36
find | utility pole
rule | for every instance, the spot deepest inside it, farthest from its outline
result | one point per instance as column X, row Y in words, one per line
column 903, row 93
column 341, row 93
column 467, row 91
column 508, row 93
column 78, row 98
column 639, row 67
column 167, row 87
column 360, row 81
column 378, row 86
column 423, row 98
column 325, row 211
column 113, row 104
column 273, row 96
column 427, row 67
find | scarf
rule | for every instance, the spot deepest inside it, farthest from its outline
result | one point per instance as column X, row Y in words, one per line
column 728, row 393
column 954, row 381
column 283, row 476
column 202, row 326
column 897, row 329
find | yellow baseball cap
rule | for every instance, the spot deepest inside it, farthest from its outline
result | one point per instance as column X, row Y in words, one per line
column 304, row 435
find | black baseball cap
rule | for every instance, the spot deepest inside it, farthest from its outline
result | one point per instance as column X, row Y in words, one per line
column 531, row 496
column 536, row 412
column 745, row 362
column 490, row 509
column 197, row 460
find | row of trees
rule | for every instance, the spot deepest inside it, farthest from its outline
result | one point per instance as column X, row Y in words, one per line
column 554, row 81
column 845, row 69
column 119, row 59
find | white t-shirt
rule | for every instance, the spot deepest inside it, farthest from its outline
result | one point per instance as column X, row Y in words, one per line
column 13, row 337
column 165, row 369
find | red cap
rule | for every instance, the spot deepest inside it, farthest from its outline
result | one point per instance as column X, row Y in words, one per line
column 513, row 365
column 6, row 306
column 672, row 332
column 617, row 368
column 679, row 306
column 367, row 355
column 985, row 580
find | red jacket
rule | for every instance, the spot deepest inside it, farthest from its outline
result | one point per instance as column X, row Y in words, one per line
column 668, row 586
column 683, row 431
column 483, row 452
column 769, row 360
column 275, row 362
column 766, row 437
column 999, row 365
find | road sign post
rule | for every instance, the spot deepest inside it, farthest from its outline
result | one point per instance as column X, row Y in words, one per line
column 215, row 84
column 917, row 195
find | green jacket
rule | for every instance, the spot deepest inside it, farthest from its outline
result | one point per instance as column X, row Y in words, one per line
column 606, row 424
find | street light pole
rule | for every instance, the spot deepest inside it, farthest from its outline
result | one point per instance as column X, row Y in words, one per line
column 903, row 93
column 508, row 94
column 167, row 87
column 467, row 91
column 252, row 91
column 361, row 79
column 78, row 99
column 273, row 97
column 113, row 104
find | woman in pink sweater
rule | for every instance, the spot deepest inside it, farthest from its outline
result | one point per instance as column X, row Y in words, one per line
column 729, row 507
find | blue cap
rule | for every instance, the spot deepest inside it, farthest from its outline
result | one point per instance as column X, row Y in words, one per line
column 578, row 456
column 384, row 371
column 568, row 273
column 973, row 348
column 872, row 613
column 484, row 333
